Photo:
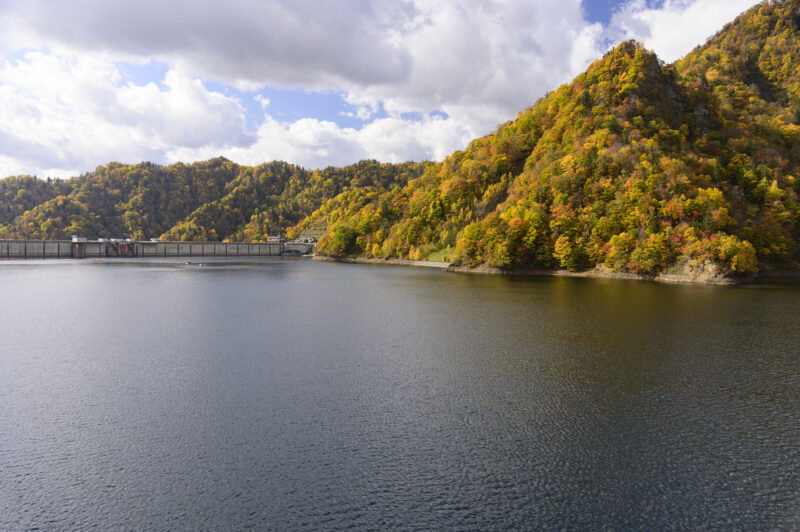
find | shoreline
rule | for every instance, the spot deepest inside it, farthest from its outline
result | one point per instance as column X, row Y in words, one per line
column 704, row 274
column 386, row 262
column 604, row 273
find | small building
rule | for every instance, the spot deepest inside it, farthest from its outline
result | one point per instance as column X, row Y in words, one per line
column 79, row 247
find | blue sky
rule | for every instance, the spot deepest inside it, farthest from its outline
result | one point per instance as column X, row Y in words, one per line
column 308, row 82
column 600, row 10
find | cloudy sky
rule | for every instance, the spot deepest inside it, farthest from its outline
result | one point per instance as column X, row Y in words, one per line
column 312, row 82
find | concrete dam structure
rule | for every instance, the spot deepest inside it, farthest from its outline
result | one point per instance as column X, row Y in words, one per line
column 81, row 248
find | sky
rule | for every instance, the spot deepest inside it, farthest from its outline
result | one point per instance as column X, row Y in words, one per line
column 311, row 82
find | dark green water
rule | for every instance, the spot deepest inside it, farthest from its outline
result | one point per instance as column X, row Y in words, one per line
column 301, row 395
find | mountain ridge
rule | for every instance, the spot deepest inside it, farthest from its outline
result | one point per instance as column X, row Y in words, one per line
column 635, row 165
column 210, row 200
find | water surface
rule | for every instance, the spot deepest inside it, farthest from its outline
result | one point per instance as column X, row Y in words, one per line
column 302, row 395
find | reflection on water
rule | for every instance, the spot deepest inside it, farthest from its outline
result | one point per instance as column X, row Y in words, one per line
column 306, row 395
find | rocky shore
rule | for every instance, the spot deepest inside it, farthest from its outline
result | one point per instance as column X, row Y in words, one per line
column 686, row 272
column 689, row 272
column 397, row 262
column 706, row 274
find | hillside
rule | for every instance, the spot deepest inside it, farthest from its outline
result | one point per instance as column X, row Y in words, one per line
column 636, row 165
column 211, row 200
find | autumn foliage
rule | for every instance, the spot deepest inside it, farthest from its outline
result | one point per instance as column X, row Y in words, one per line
column 636, row 165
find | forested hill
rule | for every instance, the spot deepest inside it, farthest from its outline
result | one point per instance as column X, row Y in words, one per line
column 637, row 165
column 211, row 200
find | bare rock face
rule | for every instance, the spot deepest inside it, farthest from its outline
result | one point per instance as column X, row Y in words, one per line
column 697, row 272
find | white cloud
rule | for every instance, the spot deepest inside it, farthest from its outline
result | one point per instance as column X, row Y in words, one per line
column 318, row 143
column 66, row 108
column 263, row 101
column 290, row 42
column 71, row 114
column 676, row 27
column 502, row 54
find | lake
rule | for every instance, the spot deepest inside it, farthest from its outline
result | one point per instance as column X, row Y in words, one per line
column 293, row 394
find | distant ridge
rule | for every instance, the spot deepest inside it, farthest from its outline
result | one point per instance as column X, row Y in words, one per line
column 210, row 200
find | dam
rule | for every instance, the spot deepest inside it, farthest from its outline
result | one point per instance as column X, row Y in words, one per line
column 82, row 248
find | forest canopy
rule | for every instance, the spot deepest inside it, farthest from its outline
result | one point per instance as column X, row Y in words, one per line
column 636, row 165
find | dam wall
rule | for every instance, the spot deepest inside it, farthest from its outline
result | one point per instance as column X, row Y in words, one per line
column 207, row 249
column 83, row 249
column 35, row 249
